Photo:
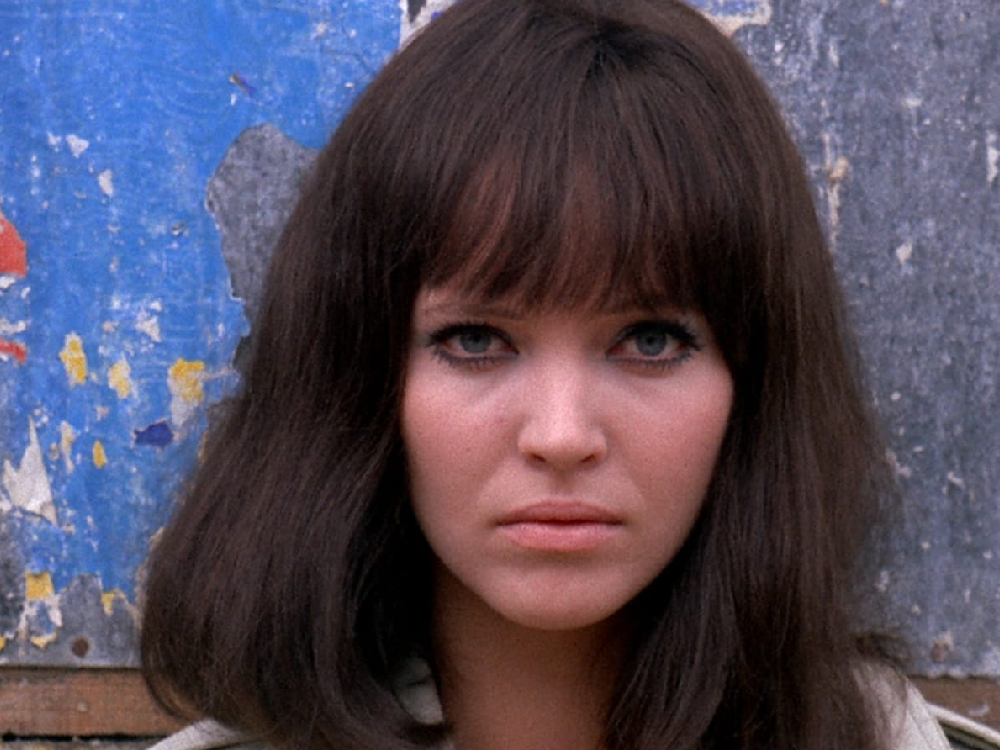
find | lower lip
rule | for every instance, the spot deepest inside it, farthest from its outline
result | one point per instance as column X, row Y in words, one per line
column 560, row 536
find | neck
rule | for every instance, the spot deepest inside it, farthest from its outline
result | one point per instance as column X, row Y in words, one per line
column 510, row 687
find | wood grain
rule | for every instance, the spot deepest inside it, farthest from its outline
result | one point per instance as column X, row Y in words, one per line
column 114, row 703
column 78, row 703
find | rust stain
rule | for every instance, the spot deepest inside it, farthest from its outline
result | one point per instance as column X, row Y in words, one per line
column 74, row 359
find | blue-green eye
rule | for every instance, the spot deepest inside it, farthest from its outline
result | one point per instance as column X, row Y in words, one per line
column 657, row 343
column 470, row 345
column 474, row 341
column 651, row 342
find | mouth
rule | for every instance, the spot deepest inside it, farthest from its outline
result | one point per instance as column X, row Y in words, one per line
column 560, row 526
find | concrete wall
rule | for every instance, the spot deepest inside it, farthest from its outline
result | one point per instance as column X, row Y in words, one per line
column 149, row 152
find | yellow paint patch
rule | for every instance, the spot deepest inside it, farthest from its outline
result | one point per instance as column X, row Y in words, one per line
column 74, row 359
column 185, row 380
column 108, row 599
column 38, row 585
column 3, row 642
column 42, row 641
column 100, row 457
column 118, row 378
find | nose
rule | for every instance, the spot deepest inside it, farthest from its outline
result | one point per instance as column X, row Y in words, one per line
column 561, row 427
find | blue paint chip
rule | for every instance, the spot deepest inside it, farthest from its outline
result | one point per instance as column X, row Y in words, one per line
column 157, row 434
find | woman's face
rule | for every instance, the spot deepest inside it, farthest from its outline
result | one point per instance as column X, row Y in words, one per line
column 558, row 460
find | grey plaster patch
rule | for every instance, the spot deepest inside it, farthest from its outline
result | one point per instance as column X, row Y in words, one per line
column 251, row 196
column 83, row 632
column 11, row 580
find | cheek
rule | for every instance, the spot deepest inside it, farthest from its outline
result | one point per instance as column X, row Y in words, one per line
column 676, row 459
column 443, row 445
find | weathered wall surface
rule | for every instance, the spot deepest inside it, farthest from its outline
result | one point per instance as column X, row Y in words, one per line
column 148, row 156
column 118, row 325
column 896, row 105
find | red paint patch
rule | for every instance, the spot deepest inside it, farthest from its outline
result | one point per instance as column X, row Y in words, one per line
column 13, row 255
column 15, row 350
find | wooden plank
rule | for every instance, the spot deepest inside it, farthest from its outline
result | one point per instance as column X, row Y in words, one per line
column 75, row 744
column 976, row 698
column 38, row 702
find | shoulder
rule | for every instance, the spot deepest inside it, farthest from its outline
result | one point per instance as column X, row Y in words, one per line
column 413, row 683
column 916, row 724
column 964, row 732
column 207, row 735
column 913, row 725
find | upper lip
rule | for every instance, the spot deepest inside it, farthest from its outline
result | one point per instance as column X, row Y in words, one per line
column 560, row 511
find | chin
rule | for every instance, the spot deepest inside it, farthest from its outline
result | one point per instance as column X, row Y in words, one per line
column 556, row 616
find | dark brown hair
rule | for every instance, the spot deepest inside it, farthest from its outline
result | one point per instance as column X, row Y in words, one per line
column 560, row 152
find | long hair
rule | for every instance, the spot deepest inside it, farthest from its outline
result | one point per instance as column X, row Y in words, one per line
column 558, row 152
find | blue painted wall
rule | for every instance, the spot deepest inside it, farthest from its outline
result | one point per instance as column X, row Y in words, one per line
column 114, row 115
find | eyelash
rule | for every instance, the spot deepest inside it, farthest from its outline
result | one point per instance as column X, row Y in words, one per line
column 437, row 339
column 685, row 338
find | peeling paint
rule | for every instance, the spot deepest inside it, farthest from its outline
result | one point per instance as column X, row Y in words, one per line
column 77, row 145
column 157, row 434
column 758, row 14
column 186, row 389
column 42, row 641
column 28, row 485
column 106, row 182
column 66, row 440
column 74, row 359
column 149, row 325
column 728, row 15
column 13, row 265
column 119, row 378
column 108, row 600
column 836, row 171
column 42, row 617
column 12, row 349
column 904, row 252
column 38, row 585
column 100, row 458
column 13, row 251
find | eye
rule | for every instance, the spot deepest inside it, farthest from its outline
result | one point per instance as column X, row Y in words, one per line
column 655, row 343
column 474, row 341
column 471, row 345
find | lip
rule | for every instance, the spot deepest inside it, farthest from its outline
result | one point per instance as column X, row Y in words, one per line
column 560, row 512
column 560, row 526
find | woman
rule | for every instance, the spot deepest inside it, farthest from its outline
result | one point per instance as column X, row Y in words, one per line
column 552, row 436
